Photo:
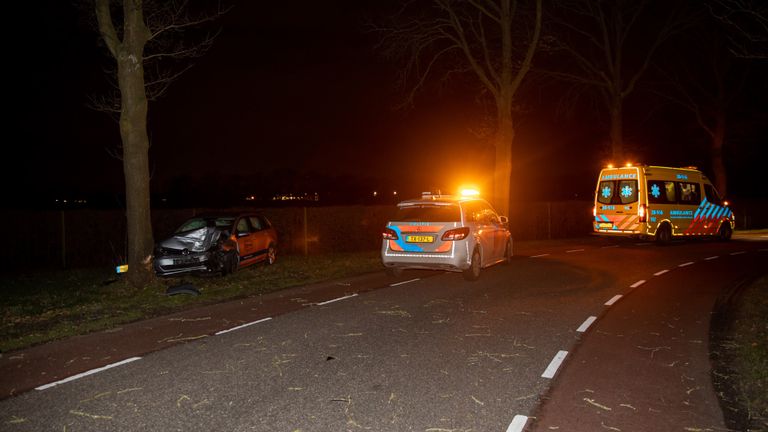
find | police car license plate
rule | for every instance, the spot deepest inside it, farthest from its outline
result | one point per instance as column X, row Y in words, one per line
column 419, row 238
column 606, row 225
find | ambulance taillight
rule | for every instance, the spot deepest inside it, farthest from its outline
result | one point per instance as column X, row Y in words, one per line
column 642, row 212
column 594, row 211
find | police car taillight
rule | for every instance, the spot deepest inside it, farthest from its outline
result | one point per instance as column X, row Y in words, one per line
column 642, row 213
column 389, row 234
column 455, row 234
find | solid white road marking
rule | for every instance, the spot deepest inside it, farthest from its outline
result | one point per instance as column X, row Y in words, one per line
column 539, row 256
column 686, row 264
column 574, row 250
column 637, row 284
column 86, row 373
column 738, row 253
column 661, row 272
column 336, row 299
column 554, row 365
column 585, row 325
column 711, row 258
column 404, row 282
column 242, row 326
column 613, row 300
column 518, row 423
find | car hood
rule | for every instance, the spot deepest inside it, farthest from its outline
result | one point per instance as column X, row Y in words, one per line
column 199, row 240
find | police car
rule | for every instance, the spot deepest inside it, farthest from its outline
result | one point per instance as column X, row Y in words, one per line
column 445, row 232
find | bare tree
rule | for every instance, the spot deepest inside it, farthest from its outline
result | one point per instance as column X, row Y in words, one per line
column 707, row 88
column 495, row 40
column 747, row 25
column 610, row 46
column 139, row 27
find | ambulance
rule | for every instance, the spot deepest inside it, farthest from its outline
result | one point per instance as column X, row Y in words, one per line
column 659, row 203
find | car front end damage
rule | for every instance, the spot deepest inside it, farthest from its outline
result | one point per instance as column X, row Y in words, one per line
column 198, row 251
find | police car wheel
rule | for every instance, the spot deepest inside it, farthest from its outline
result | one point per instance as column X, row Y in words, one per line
column 473, row 272
column 508, row 252
column 394, row 271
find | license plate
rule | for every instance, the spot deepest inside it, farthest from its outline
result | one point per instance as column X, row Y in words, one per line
column 606, row 225
column 419, row 238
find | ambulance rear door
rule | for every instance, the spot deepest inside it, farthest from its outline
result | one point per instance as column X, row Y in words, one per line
column 617, row 201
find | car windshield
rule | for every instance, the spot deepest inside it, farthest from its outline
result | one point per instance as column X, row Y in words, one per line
column 428, row 213
column 197, row 223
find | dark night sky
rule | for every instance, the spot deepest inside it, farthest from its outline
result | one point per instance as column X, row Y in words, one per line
column 296, row 86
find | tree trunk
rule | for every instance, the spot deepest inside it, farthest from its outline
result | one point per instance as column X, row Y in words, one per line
column 505, row 135
column 617, row 133
column 133, row 131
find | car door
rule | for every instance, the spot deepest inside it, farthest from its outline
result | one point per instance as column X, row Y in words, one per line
column 483, row 229
column 260, row 236
column 245, row 244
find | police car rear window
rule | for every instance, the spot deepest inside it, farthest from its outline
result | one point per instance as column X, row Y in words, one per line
column 428, row 213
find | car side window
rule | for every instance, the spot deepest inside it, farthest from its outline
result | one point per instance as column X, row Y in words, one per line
column 255, row 223
column 242, row 227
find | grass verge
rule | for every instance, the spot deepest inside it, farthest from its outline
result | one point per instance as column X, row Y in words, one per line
column 45, row 306
column 740, row 369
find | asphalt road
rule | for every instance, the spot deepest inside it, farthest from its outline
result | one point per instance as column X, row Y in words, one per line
column 428, row 352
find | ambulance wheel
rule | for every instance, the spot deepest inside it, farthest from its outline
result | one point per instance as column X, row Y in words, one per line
column 473, row 272
column 663, row 235
column 725, row 232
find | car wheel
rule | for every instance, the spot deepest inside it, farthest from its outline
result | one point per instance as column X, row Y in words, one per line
column 231, row 262
column 271, row 255
column 663, row 235
column 725, row 232
column 473, row 272
column 508, row 252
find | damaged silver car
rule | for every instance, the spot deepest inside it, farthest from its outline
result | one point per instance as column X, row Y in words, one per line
column 217, row 244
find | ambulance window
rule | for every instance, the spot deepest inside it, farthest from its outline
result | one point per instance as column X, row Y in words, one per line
column 689, row 193
column 605, row 192
column 661, row 192
column 628, row 191
column 711, row 193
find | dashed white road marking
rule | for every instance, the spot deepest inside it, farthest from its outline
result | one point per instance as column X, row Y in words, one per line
column 643, row 244
column 574, row 250
column 518, row 423
column 585, row 325
column 554, row 365
column 404, row 282
column 738, row 253
column 711, row 258
column 637, row 284
column 539, row 256
column 611, row 246
column 661, row 272
column 242, row 326
column 613, row 300
column 86, row 373
column 336, row 299
column 686, row 264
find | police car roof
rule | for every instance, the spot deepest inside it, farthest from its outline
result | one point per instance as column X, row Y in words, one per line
column 437, row 200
